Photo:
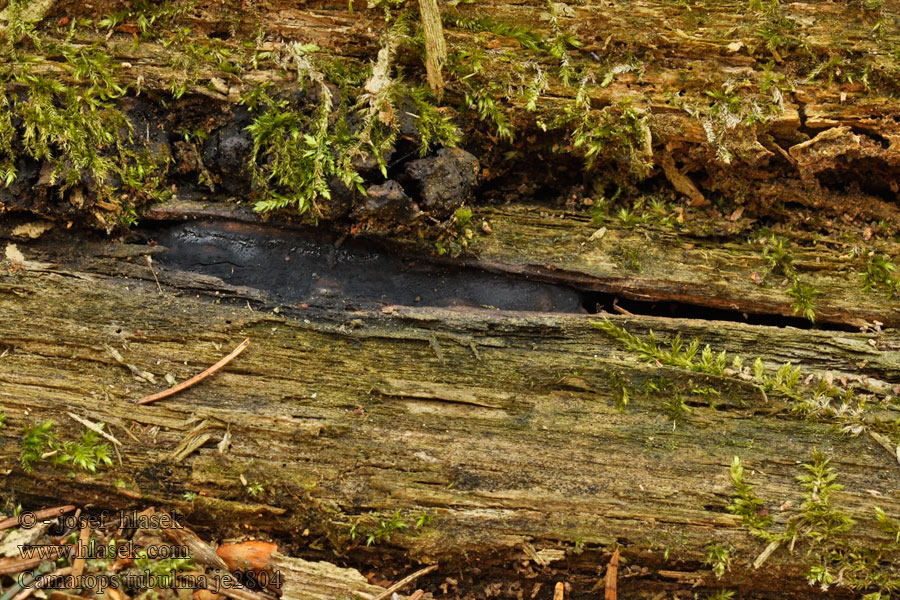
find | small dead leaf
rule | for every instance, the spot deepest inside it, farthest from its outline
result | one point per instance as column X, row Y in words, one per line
column 222, row 446
column 756, row 278
column 736, row 214
column 247, row 556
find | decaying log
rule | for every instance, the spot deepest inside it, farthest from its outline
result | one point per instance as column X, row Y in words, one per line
column 769, row 105
column 505, row 429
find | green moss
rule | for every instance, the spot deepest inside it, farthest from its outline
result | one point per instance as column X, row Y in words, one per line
column 881, row 274
column 774, row 30
column 674, row 353
column 619, row 385
column 781, row 261
column 75, row 128
column 825, row 531
column 528, row 38
column 719, row 559
column 745, row 503
column 463, row 217
column 153, row 20
column 298, row 150
column 36, row 440
column 618, row 133
column 819, row 401
column 89, row 452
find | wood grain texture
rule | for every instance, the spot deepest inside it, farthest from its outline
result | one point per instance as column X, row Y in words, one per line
column 509, row 435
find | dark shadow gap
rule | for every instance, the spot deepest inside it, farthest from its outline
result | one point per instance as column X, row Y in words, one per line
column 300, row 269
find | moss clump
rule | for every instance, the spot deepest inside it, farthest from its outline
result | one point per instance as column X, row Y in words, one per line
column 297, row 151
column 880, row 273
column 780, row 261
column 821, row 528
column 809, row 397
column 75, row 129
column 88, row 453
column 675, row 353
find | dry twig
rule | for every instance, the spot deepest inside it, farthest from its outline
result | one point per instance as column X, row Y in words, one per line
column 84, row 537
column 196, row 378
column 150, row 266
column 38, row 515
column 404, row 582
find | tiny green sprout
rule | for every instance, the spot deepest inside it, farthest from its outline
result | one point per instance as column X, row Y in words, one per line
column 889, row 525
column 676, row 408
column 88, row 453
column 719, row 558
column 627, row 217
column 189, row 496
column 163, row 570
column 385, row 528
column 804, row 296
column 721, row 595
column 2, row 418
column 778, row 256
column 619, row 386
column 599, row 211
column 424, row 519
column 256, row 489
column 15, row 510
column 820, row 575
column 881, row 273
column 781, row 261
column 579, row 546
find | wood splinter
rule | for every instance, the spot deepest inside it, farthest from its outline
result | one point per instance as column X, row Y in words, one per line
column 612, row 576
column 196, row 378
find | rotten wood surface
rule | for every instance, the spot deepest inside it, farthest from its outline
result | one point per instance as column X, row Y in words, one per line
column 815, row 85
column 503, row 426
column 720, row 270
